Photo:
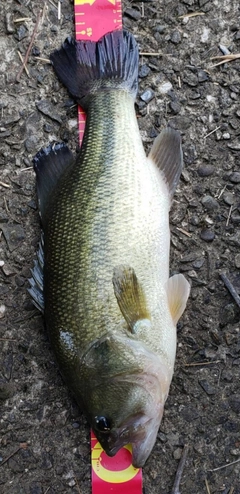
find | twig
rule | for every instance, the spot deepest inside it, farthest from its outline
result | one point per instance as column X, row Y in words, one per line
column 29, row 48
column 21, row 446
column 5, row 185
column 175, row 489
column 194, row 364
column 184, row 232
column 22, row 19
column 24, row 66
column 225, row 466
column 192, row 14
column 7, row 339
column 221, row 192
column 207, row 486
column 231, row 289
column 59, row 10
column 215, row 130
column 78, row 488
column 155, row 54
column 224, row 59
column 6, row 206
column 45, row 60
column 229, row 215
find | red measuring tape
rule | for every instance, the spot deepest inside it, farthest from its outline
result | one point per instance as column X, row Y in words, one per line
column 93, row 19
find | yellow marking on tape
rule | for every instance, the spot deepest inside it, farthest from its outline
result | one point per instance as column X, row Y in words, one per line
column 90, row 2
column 83, row 2
column 112, row 476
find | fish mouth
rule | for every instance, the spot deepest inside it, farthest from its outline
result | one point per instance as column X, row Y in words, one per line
column 141, row 433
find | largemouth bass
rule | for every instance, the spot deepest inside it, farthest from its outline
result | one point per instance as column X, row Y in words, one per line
column 109, row 304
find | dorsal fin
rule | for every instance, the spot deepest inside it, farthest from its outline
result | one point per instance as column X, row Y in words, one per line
column 166, row 153
column 49, row 165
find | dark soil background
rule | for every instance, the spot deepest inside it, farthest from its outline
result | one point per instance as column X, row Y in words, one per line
column 44, row 441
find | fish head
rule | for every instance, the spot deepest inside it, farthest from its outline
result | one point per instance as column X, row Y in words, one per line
column 125, row 399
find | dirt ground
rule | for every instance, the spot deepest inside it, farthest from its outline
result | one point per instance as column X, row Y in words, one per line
column 44, row 441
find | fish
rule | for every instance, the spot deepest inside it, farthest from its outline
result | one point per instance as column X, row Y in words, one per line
column 102, row 274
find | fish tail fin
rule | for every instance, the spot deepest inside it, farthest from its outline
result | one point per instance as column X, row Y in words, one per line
column 86, row 67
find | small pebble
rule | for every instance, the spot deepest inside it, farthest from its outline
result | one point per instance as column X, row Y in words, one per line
column 228, row 198
column 10, row 28
column 235, row 177
column 202, row 75
column 194, row 220
column 176, row 37
column 207, row 235
column 165, row 87
column 35, row 51
column 235, row 218
column 47, row 108
column 8, row 271
column 160, row 29
column 144, row 71
column 22, row 32
column 31, row 144
column 226, row 135
column 198, row 263
column 175, row 107
column 205, row 171
column 209, row 203
column 147, row 95
column 207, row 387
column 2, row 310
column 234, row 402
column 133, row 14
column 234, row 145
column 237, row 261
column 177, row 454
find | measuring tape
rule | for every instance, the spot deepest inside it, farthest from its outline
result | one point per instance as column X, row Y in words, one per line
column 93, row 19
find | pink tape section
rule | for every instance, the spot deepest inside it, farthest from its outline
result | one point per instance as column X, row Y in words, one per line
column 114, row 475
column 93, row 19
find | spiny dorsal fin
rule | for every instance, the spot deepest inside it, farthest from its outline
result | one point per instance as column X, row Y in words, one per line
column 129, row 295
column 178, row 290
column 49, row 164
column 166, row 153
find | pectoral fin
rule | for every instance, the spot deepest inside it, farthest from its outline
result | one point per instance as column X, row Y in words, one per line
column 166, row 153
column 178, row 290
column 129, row 295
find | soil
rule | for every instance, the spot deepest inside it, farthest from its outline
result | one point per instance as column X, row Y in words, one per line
column 44, row 442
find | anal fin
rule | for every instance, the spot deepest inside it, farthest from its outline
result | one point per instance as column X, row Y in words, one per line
column 178, row 290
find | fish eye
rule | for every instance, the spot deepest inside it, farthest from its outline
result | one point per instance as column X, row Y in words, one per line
column 102, row 424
